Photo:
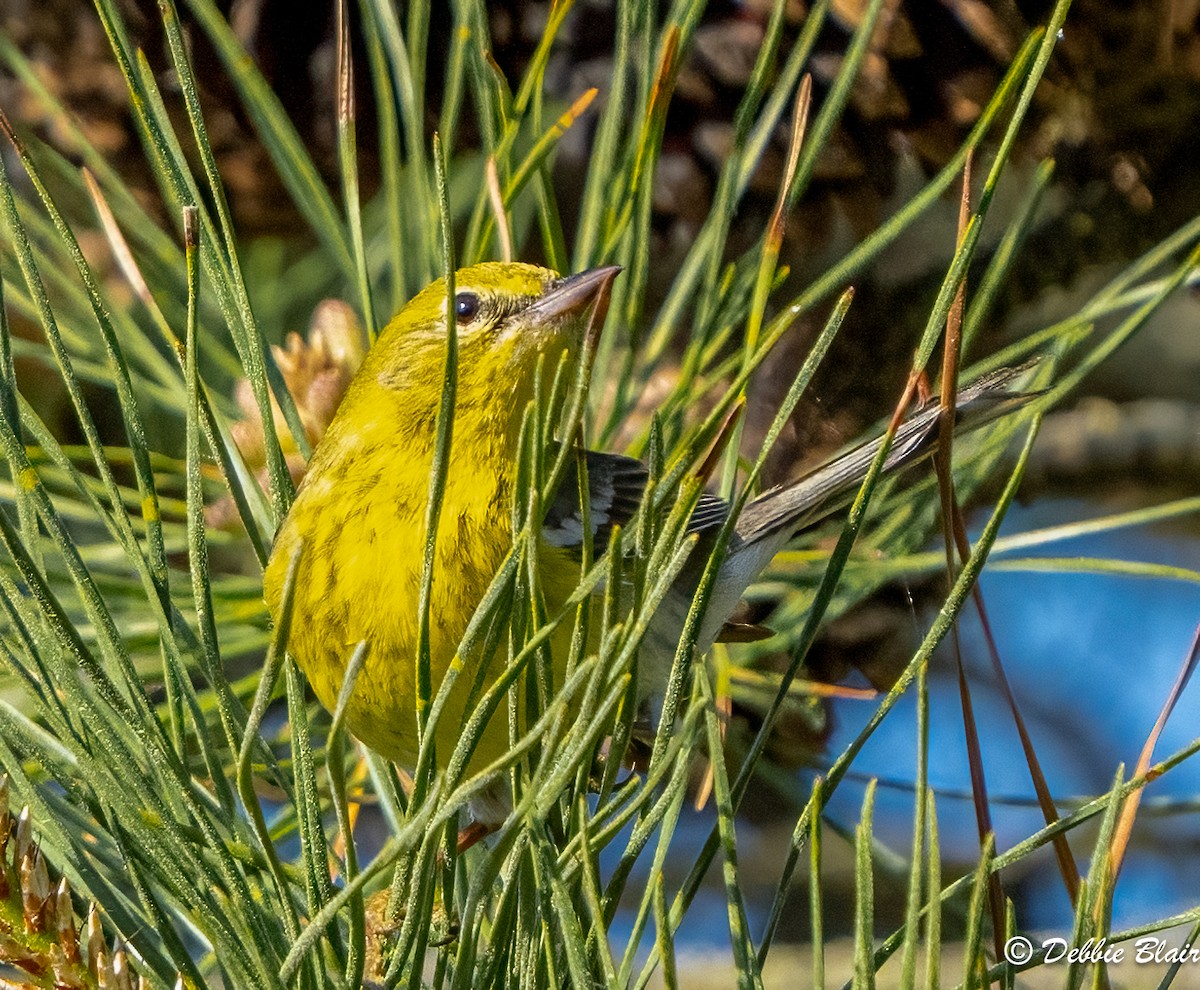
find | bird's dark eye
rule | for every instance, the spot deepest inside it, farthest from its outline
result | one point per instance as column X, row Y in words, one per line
column 466, row 306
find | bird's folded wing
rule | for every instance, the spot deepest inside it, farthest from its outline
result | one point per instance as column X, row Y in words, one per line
column 615, row 487
column 616, row 484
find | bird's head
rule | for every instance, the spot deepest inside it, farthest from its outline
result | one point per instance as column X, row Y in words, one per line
column 507, row 317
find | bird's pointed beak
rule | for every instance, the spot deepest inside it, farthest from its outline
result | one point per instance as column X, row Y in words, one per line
column 570, row 296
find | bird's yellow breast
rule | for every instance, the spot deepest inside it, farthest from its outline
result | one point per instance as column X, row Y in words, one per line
column 359, row 524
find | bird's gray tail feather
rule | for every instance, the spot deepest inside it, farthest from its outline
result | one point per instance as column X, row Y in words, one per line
column 767, row 523
column 787, row 510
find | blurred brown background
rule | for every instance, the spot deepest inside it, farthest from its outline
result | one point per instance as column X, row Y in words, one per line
column 1117, row 111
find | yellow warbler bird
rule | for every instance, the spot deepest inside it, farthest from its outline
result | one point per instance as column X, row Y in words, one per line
column 360, row 514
